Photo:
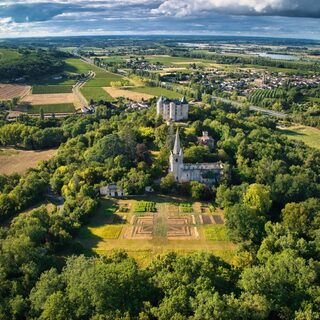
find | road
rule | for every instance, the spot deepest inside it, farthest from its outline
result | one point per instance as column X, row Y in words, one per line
column 252, row 108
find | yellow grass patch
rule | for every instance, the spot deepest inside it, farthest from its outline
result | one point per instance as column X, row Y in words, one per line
column 54, row 98
column 120, row 92
column 18, row 161
column 10, row 91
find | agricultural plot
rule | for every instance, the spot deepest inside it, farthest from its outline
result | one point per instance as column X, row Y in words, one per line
column 47, row 89
column 185, row 207
column 45, row 99
column 51, row 108
column 10, row 91
column 157, row 91
column 18, row 161
column 127, row 94
column 93, row 89
column 257, row 96
column 145, row 206
column 95, row 93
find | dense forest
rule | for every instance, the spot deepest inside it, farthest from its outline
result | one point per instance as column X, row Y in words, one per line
column 270, row 193
column 31, row 64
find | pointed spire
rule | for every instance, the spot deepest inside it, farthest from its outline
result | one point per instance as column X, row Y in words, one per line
column 160, row 99
column 184, row 100
column 177, row 146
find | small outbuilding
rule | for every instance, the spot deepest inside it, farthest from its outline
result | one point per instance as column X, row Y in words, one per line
column 112, row 190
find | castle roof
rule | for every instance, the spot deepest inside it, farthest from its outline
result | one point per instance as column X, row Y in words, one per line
column 175, row 101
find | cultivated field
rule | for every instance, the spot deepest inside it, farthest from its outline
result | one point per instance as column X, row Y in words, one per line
column 121, row 92
column 18, row 161
column 51, row 108
column 45, row 99
column 95, row 93
column 157, row 91
column 45, row 89
column 10, row 91
column 155, row 225
column 309, row 135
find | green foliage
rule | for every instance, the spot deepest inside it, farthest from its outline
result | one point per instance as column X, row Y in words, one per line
column 31, row 64
column 145, row 206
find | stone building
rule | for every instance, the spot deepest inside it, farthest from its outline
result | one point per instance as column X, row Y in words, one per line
column 111, row 190
column 207, row 173
column 206, row 140
column 173, row 110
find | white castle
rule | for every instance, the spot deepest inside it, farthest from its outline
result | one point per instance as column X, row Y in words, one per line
column 173, row 110
column 208, row 173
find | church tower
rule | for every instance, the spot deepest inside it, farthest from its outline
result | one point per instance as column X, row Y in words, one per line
column 176, row 158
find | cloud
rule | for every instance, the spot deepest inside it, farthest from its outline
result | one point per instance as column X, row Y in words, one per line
column 245, row 17
column 290, row 8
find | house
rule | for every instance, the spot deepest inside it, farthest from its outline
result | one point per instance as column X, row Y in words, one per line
column 173, row 110
column 111, row 190
column 206, row 140
column 207, row 173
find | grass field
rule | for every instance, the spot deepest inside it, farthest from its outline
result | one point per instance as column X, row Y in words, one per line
column 95, row 93
column 93, row 88
column 8, row 54
column 52, row 108
column 215, row 232
column 157, row 91
column 45, row 89
column 309, row 135
column 12, row 160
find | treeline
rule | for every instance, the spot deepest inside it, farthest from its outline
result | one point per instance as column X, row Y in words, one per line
column 260, row 61
column 32, row 64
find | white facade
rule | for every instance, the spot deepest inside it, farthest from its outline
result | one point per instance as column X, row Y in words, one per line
column 207, row 173
column 111, row 190
column 173, row 110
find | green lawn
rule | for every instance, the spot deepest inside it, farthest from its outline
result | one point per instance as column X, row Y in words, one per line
column 52, row 108
column 99, row 226
column 215, row 232
column 157, row 91
column 43, row 89
column 309, row 135
column 95, row 93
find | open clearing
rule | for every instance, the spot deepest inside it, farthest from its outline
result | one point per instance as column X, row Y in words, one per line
column 10, row 91
column 122, row 92
column 155, row 225
column 44, row 99
column 309, row 135
column 18, row 161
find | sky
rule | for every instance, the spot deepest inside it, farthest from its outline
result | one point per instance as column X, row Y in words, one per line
column 273, row 18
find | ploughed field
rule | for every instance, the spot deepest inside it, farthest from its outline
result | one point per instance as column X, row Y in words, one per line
column 10, row 91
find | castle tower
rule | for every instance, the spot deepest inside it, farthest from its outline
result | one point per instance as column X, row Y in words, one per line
column 176, row 158
column 160, row 106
